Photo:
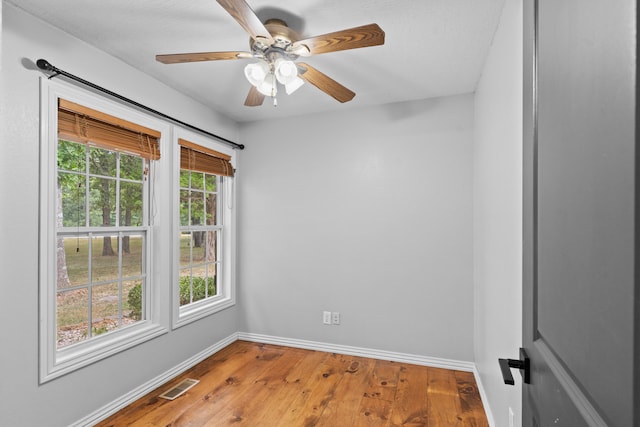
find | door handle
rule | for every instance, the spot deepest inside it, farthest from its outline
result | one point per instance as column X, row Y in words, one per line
column 523, row 364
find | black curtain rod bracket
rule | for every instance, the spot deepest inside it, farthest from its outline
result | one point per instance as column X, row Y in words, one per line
column 45, row 65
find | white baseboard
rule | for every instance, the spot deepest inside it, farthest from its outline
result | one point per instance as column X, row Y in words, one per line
column 483, row 397
column 161, row 379
column 434, row 362
column 135, row 394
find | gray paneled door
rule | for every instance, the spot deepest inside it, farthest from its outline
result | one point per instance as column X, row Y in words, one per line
column 581, row 211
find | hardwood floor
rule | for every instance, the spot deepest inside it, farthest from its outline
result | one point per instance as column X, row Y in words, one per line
column 251, row 384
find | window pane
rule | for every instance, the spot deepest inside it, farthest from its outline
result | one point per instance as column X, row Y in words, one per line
column 197, row 179
column 185, row 249
column 72, row 317
column 212, row 207
column 200, row 290
column 131, row 167
column 211, row 275
column 71, row 156
column 105, row 308
column 185, row 286
column 132, row 255
column 211, row 247
column 72, row 195
column 199, row 246
column 197, row 208
column 184, row 208
column 184, row 178
column 104, row 260
column 130, row 203
column 102, row 204
column 210, row 182
column 72, row 261
column 102, row 162
column 197, row 287
column 133, row 304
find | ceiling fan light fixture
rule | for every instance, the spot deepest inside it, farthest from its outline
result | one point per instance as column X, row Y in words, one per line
column 256, row 72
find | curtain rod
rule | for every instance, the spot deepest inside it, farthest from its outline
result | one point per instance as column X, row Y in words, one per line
column 43, row 64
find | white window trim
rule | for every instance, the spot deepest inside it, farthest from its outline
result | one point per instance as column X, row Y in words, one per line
column 53, row 362
column 226, row 282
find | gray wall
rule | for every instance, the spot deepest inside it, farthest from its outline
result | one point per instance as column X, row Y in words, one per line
column 366, row 212
column 497, row 222
column 57, row 403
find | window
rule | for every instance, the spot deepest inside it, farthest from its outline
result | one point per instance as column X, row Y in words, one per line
column 204, row 230
column 97, row 186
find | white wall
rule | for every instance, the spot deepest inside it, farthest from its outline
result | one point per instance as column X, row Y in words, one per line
column 57, row 403
column 367, row 212
column 497, row 222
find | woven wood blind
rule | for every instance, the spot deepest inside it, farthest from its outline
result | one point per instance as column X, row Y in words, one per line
column 87, row 126
column 201, row 159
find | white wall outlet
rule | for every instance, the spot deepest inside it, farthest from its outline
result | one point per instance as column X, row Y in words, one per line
column 326, row 317
column 335, row 318
column 510, row 417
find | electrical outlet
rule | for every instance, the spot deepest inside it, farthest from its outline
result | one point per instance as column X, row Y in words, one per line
column 510, row 417
column 335, row 318
column 326, row 317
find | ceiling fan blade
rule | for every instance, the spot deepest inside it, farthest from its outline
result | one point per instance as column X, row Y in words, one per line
column 254, row 98
column 353, row 38
column 325, row 83
column 201, row 56
column 246, row 17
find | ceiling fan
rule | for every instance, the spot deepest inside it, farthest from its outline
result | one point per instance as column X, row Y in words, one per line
column 276, row 48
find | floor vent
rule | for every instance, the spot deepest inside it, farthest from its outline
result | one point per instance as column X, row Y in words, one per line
column 177, row 390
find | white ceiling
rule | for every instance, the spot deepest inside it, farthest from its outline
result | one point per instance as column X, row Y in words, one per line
column 433, row 47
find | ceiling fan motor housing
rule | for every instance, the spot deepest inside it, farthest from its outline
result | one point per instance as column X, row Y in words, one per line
column 284, row 38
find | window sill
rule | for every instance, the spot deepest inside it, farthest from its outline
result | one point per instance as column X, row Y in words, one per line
column 196, row 311
column 77, row 356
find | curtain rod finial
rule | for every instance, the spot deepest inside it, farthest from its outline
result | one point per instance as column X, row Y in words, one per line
column 43, row 64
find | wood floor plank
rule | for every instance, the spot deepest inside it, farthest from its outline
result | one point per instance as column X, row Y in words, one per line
column 384, row 380
column 473, row 414
column 411, row 406
column 444, row 401
column 250, row 398
column 292, row 386
column 350, row 392
column 318, row 391
column 373, row 412
column 223, row 404
column 260, row 385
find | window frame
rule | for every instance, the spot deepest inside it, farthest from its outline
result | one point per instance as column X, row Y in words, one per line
column 226, row 275
column 56, row 362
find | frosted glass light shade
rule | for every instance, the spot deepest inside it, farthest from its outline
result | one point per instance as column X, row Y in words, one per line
column 293, row 85
column 286, row 71
column 256, row 72
column 268, row 86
